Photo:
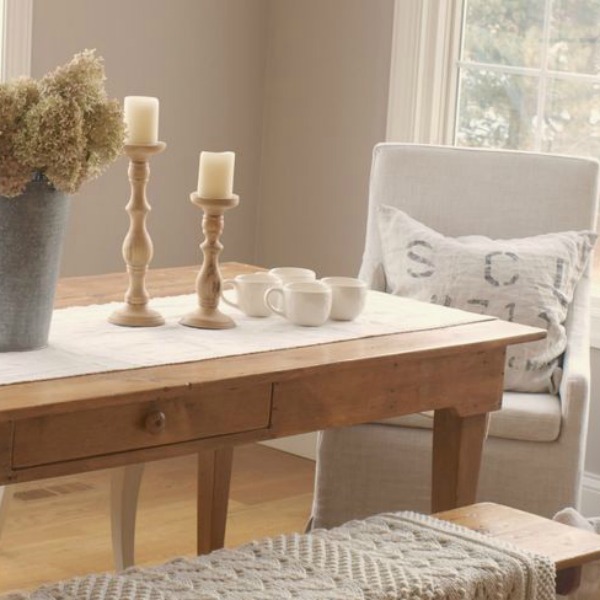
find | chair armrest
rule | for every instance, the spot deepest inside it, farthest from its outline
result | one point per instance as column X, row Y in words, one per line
column 575, row 385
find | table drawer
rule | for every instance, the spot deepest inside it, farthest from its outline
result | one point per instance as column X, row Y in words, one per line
column 119, row 428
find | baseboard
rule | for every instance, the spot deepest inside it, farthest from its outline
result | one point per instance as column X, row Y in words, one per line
column 590, row 495
column 304, row 445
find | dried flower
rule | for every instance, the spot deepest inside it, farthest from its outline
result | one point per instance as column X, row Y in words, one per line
column 81, row 80
column 63, row 127
column 16, row 99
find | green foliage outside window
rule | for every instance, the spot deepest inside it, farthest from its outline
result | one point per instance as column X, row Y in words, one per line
column 552, row 103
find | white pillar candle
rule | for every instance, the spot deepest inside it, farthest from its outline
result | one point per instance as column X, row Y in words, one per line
column 215, row 175
column 141, row 119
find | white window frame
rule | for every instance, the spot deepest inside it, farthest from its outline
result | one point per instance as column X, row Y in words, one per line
column 423, row 89
column 17, row 39
column 423, row 75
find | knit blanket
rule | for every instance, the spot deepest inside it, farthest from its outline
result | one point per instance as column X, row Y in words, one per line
column 396, row 556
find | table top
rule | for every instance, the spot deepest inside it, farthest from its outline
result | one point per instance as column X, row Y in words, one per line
column 25, row 400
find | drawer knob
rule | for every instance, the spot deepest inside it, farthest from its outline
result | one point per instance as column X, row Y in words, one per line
column 155, row 422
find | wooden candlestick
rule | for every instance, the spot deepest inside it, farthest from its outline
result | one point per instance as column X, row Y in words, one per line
column 208, row 282
column 137, row 246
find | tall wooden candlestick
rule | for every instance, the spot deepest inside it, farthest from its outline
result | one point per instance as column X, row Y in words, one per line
column 208, row 282
column 137, row 246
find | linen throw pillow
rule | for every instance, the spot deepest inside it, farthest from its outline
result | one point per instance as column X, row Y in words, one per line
column 529, row 281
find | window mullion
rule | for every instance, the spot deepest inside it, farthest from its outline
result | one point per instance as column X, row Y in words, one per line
column 453, row 116
column 529, row 71
column 543, row 82
column 513, row 70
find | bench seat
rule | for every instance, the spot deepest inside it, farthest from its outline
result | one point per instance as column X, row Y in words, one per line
column 568, row 547
column 393, row 556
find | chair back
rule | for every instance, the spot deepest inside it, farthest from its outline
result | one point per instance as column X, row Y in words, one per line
column 465, row 191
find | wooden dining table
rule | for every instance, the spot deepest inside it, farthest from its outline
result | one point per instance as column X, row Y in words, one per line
column 75, row 424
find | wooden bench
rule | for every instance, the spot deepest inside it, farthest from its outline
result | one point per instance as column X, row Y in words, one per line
column 398, row 555
column 570, row 548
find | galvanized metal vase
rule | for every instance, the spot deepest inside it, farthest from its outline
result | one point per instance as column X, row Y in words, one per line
column 32, row 228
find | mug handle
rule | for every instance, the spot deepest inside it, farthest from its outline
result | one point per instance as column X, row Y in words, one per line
column 267, row 298
column 229, row 283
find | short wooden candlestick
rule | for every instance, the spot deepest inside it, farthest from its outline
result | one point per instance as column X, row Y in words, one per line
column 208, row 282
column 137, row 246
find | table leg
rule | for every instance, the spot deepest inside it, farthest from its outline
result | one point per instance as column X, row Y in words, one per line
column 214, row 475
column 457, row 448
column 6, row 493
column 124, row 491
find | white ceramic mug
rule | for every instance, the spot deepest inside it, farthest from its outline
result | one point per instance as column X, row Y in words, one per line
column 305, row 303
column 348, row 297
column 250, row 291
column 291, row 274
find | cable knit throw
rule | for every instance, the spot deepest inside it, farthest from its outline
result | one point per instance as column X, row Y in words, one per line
column 400, row 556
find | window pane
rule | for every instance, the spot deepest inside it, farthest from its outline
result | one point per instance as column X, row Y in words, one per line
column 506, row 32
column 575, row 36
column 496, row 110
column 572, row 118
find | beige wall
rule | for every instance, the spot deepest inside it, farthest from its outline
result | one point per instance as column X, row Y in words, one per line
column 205, row 60
column 324, row 105
column 325, row 108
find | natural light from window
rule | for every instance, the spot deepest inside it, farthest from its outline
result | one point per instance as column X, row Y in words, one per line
column 529, row 76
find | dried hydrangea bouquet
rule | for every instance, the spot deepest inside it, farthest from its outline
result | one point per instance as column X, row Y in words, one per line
column 55, row 134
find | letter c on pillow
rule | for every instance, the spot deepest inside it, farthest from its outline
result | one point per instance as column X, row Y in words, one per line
column 489, row 265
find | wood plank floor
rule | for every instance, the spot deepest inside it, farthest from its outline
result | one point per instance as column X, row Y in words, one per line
column 61, row 527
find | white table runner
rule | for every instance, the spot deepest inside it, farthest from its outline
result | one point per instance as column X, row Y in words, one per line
column 83, row 342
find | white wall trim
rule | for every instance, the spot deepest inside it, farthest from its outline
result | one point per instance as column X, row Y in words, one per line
column 304, row 445
column 423, row 72
column 18, row 21
column 590, row 495
column 404, row 71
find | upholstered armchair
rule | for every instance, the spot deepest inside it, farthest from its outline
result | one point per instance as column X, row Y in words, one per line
column 534, row 453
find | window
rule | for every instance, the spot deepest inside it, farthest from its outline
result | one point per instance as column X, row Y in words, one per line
column 529, row 76
column 521, row 74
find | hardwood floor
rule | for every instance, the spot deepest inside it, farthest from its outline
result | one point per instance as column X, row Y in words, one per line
column 58, row 528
